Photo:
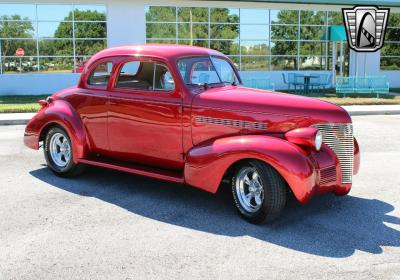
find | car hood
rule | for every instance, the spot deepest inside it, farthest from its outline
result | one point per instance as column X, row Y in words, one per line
column 235, row 98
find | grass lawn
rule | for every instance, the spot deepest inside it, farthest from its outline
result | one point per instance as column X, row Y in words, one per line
column 29, row 103
column 20, row 104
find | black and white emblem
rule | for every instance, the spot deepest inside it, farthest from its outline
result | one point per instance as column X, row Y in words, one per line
column 365, row 27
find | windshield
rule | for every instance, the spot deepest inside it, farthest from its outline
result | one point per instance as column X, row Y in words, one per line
column 206, row 70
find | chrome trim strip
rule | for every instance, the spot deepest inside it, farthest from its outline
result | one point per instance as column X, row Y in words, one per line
column 230, row 122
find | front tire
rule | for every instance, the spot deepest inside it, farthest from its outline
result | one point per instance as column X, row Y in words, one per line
column 58, row 153
column 259, row 192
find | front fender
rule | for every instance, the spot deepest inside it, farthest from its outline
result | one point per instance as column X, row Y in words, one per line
column 207, row 163
column 62, row 113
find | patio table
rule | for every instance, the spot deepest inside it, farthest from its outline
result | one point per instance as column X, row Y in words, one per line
column 307, row 78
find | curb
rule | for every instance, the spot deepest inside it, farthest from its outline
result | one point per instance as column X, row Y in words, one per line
column 358, row 112
column 14, row 122
column 374, row 113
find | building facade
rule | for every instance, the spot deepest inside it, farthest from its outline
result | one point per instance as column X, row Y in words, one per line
column 263, row 38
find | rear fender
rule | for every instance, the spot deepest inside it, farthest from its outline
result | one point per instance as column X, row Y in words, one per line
column 207, row 163
column 63, row 114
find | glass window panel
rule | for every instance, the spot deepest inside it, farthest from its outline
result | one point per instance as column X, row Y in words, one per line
column 390, row 49
column 163, row 14
column 284, row 32
column 17, row 12
column 161, row 30
column 392, row 34
column 9, row 47
column 284, row 48
column 254, row 47
column 56, row 64
column 90, row 30
column 192, row 31
column 335, row 18
column 101, row 74
column 15, row 65
column 312, row 32
column 254, row 16
column 54, row 12
column 312, row 63
column 198, row 43
column 224, row 31
column 284, row 17
column 55, row 30
column 88, row 15
column 394, row 20
column 283, row 63
column 313, row 17
column 90, row 12
column 255, row 63
column 224, row 15
column 56, row 47
column 227, row 47
column 89, row 47
column 390, row 63
column 249, row 32
column 186, row 14
column 17, row 29
column 313, row 48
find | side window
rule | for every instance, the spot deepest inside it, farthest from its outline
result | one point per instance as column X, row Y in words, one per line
column 162, row 78
column 145, row 76
column 101, row 74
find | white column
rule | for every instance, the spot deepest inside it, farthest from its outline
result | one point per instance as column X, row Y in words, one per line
column 126, row 23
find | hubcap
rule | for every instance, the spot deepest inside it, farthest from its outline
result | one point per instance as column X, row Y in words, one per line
column 249, row 189
column 60, row 149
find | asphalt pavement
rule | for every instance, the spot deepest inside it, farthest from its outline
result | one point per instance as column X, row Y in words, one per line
column 111, row 225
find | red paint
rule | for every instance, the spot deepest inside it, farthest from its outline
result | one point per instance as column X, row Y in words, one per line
column 157, row 135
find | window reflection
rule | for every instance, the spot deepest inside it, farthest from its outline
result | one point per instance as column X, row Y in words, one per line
column 224, row 15
column 55, row 30
column 47, row 32
column 54, row 12
column 284, row 17
column 254, row 16
column 23, row 11
column 249, row 32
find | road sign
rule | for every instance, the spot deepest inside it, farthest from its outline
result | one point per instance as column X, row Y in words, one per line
column 20, row 52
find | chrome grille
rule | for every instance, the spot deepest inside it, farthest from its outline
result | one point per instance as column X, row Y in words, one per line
column 327, row 175
column 339, row 137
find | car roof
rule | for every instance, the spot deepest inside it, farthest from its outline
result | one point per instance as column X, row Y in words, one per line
column 166, row 51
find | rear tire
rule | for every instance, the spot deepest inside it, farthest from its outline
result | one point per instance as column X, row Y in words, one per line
column 259, row 192
column 59, row 155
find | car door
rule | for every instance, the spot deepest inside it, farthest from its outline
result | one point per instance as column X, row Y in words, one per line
column 91, row 103
column 145, row 114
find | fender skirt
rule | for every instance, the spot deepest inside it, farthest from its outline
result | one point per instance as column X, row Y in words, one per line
column 207, row 163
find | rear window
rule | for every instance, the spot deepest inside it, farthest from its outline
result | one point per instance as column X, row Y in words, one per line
column 100, row 75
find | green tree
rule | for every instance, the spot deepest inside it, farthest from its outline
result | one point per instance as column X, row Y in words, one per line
column 16, row 27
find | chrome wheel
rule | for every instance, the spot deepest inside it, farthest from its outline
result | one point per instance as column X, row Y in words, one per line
column 60, row 150
column 249, row 189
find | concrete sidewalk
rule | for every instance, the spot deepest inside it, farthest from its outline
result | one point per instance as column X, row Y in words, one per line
column 355, row 110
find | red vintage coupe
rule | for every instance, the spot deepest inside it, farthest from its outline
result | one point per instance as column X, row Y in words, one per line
column 181, row 114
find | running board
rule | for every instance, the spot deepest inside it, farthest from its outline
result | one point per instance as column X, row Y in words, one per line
column 136, row 169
